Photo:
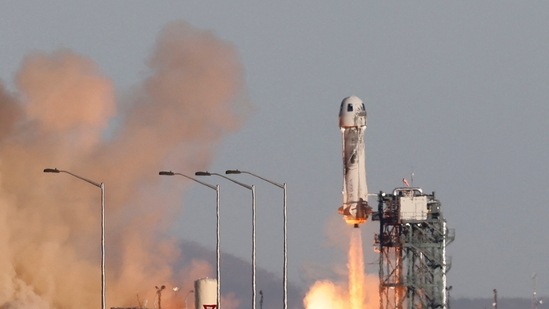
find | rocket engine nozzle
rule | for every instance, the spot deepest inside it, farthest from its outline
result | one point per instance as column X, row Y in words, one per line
column 356, row 213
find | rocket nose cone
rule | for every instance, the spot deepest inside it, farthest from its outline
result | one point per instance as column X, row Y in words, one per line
column 352, row 99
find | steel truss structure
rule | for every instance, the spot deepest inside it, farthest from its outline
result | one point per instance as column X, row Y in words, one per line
column 412, row 244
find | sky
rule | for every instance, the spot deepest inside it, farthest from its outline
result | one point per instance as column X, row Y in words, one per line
column 456, row 93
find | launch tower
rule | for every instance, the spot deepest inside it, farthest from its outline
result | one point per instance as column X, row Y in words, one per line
column 412, row 244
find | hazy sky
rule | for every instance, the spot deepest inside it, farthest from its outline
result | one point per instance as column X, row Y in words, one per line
column 456, row 93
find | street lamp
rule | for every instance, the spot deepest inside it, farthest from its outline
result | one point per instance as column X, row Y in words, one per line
column 102, row 187
column 251, row 188
column 284, row 214
column 159, row 294
column 216, row 188
column 192, row 291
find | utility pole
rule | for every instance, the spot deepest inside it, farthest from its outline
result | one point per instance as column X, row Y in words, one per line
column 495, row 303
column 535, row 300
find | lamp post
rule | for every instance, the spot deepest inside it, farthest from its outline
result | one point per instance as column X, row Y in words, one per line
column 102, row 187
column 192, row 291
column 251, row 188
column 159, row 294
column 217, row 243
column 285, row 230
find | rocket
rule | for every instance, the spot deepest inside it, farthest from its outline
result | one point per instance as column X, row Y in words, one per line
column 352, row 123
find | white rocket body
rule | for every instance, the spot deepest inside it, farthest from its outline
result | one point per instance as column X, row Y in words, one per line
column 352, row 122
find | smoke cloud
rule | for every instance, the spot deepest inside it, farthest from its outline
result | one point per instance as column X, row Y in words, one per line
column 64, row 114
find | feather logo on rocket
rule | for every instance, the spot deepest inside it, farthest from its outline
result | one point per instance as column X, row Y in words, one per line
column 352, row 123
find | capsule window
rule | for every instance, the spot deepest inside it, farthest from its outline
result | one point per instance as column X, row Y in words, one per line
column 349, row 107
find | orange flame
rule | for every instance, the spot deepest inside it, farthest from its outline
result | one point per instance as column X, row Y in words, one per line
column 356, row 271
column 361, row 292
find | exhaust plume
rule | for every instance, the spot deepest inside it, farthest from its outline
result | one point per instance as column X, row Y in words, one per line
column 59, row 116
column 359, row 292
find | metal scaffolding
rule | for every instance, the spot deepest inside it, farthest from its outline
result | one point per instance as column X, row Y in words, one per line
column 412, row 242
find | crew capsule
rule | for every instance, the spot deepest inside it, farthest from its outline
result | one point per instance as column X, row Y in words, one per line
column 352, row 113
